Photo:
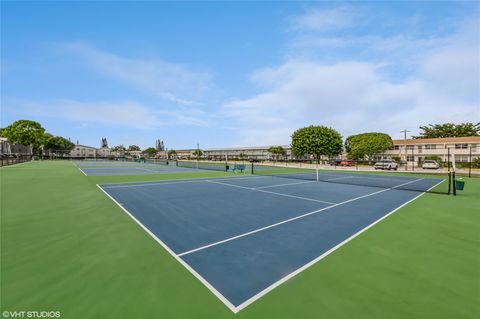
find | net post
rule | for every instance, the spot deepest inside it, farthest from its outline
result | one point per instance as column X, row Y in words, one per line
column 251, row 168
column 454, row 186
column 449, row 191
column 316, row 169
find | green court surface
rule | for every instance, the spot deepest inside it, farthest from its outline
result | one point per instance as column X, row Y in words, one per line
column 67, row 247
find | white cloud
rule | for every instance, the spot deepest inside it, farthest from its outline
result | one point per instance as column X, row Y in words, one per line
column 390, row 83
column 318, row 19
column 127, row 114
column 352, row 97
column 169, row 81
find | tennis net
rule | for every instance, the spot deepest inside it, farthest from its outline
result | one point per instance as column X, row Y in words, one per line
column 203, row 165
column 414, row 182
column 159, row 161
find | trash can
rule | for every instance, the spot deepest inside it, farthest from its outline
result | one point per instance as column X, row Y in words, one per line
column 459, row 185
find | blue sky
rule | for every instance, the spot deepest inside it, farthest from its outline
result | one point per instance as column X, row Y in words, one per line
column 237, row 73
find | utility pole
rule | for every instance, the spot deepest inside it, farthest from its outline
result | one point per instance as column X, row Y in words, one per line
column 405, row 131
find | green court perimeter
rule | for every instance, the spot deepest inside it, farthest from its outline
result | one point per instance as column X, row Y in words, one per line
column 67, row 247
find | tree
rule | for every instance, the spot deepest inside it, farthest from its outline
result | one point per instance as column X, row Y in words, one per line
column 197, row 153
column 172, row 154
column 133, row 148
column 150, row 151
column 25, row 132
column 476, row 162
column 104, row 143
column 159, row 145
column 277, row 151
column 449, row 130
column 316, row 141
column 120, row 149
column 366, row 145
column 58, row 144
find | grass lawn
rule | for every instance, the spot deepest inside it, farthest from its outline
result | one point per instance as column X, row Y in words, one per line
column 67, row 247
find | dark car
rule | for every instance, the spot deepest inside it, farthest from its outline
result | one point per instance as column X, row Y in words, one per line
column 334, row 162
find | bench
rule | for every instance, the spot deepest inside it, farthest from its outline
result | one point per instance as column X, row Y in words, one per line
column 239, row 168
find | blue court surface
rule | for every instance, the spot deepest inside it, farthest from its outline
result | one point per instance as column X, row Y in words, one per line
column 243, row 236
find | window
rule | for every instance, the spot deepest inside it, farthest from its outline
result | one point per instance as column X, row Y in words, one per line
column 461, row 146
column 430, row 146
column 461, row 158
column 410, row 147
column 410, row 158
column 396, row 147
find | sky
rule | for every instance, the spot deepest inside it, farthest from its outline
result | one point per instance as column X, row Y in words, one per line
column 227, row 73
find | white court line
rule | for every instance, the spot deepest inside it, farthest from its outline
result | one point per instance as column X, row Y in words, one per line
column 146, row 169
column 328, row 252
column 334, row 179
column 17, row 164
column 274, row 285
column 183, row 263
column 278, row 185
column 171, row 181
column 81, row 170
column 289, row 220
column 273, row 193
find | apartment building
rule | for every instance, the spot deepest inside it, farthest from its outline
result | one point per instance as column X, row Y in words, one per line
column 250, row 152
column 83, row 151
column 411, row 150
column 414, row 150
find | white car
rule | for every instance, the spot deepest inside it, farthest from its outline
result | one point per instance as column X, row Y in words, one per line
column 430, row 164
column 386, row 164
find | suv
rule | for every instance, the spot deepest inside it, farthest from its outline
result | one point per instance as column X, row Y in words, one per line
column 386, row 164
column 347, row 163
column 430, row 164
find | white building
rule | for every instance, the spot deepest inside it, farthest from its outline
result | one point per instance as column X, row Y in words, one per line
column 231, row 153
column 83, row 151
column 414, row 150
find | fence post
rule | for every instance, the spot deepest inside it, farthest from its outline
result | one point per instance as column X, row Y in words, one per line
column 470, row 161
column 448, row 158
column 413, row 158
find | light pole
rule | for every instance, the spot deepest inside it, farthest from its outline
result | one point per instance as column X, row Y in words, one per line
column 405, row 131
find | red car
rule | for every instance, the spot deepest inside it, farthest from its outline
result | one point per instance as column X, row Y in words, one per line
column 347, row 163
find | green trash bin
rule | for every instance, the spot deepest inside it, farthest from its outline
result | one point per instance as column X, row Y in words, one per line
column 459, row 185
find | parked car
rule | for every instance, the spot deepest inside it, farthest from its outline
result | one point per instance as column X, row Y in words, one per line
column 386, row 164
column 347, row 163
column 430, row 164
column 334, row 161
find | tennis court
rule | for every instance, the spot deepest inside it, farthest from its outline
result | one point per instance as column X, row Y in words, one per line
column 106, row 167
column 133, row 170
column 244, row 236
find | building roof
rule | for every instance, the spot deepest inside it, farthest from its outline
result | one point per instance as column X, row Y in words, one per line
column 442, row 140
column 245, row 148
column 85, row 146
